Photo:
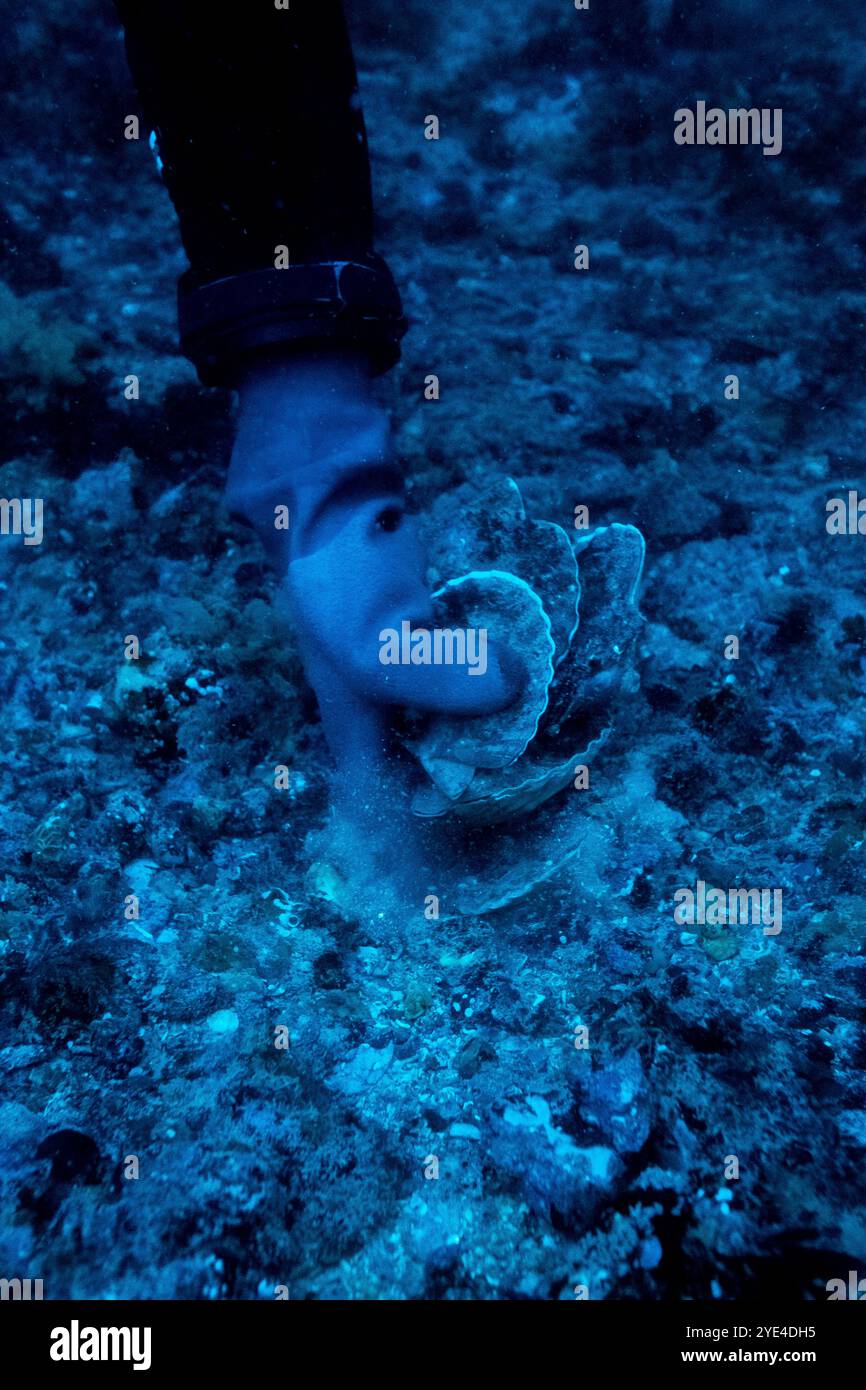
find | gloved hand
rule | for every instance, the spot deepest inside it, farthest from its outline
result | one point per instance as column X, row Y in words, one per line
column 312, row 438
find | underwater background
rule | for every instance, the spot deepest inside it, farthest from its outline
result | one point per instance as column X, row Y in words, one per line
column 433, row 1129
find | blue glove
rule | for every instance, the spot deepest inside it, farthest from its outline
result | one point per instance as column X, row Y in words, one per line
column 311, row 438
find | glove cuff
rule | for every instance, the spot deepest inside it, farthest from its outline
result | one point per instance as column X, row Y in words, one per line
column 314, row 304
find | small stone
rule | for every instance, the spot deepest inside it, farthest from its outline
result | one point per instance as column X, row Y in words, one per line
column 464, row 1131
column 650, row 1253
column 223, row 1021
column 417, row 1000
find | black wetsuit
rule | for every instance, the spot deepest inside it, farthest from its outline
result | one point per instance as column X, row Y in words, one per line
column 258, row 126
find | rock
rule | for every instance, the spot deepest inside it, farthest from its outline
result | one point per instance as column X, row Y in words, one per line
column 852, row 1126
column 223, row 1021
column 464, row 1131
column 417, row 1000
column 106, row 493
column 556, row 1174
column 364, row 1069
column 74, row 1157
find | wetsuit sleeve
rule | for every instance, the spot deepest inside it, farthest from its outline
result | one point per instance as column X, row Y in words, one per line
column 258, row 130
